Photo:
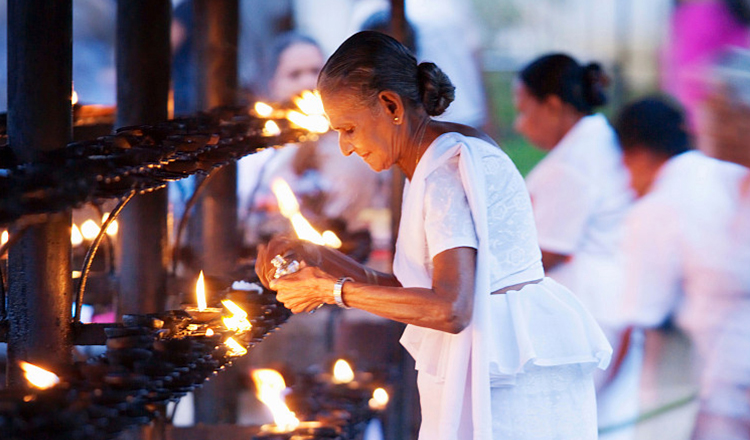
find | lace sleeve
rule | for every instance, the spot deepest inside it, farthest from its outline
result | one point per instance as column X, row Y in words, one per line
column 448, row 222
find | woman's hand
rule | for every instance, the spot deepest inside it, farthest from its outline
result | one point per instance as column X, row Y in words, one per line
column 305, row 290
column 305, row 253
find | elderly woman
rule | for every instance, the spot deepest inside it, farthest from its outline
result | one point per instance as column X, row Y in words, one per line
column 502, row 351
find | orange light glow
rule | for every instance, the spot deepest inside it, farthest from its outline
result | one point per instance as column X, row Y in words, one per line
column 112, row 228
column 271, row 128
column 271, row 389
column 89, row 229
column 342, row 372
column 235, row 348
column 200, row 293
column 209, row 332
column 289, row 208
column 263, row 110
column 74, row 98
column 379, row 399
column 238, row 321
column 39, row 377
column 75, row 235
column 4, row 238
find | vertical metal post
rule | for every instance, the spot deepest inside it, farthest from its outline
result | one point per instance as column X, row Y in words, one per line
column 217, row 28
column 143, row 55
column 216, row 240
column 40, row 53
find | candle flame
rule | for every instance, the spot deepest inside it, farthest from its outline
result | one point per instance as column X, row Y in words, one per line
column 310, row 102
column 271, row 129
column 235, row 348
column 112, row 228
column 4, row 238
column 342, row 372
column 312, row 123
column 238, row 321
column 89, row 229
column 39, row 377
column 263, row 110
column 209, row 332
column 379, row 399
column 75, row 235
column 200, row 293
column 270, row 390
column 289, row 208
column 74, row 98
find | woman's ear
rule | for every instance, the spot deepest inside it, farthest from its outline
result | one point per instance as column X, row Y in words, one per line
column 392, row 105
column 554, row 104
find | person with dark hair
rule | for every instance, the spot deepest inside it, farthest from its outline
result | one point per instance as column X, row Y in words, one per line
column 580, row 197
column 501, row 351
column 682, row 257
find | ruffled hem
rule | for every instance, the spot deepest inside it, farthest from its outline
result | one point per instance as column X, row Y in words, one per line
column 543, row 324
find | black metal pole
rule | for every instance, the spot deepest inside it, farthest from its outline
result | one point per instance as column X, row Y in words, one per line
column 217, row 28
column 214, row 235
column 40, row 53
column 143, row 72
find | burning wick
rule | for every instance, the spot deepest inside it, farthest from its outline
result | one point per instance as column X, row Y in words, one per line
column 379, row 399
column 39, row 377
column 4, row 238
column 271, row 389
column 209, row 332
column 235, row 349
column 74, row 98
column 200, row 293
column 312, row 117
column 238, row 321
column 342, row 372
column 112, row 228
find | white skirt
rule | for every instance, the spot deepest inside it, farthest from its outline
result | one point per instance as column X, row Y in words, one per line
column 545, row 403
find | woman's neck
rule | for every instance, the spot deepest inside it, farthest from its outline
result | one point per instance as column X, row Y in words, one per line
column 418, row 137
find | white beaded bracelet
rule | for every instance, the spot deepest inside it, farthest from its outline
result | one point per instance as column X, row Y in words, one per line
column 337, row 288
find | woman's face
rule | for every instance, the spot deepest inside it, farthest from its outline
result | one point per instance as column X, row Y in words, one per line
column 297, row 71
column 537, row 121
column 368, row 132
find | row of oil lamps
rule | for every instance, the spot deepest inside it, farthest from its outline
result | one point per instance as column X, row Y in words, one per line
column 153, row 359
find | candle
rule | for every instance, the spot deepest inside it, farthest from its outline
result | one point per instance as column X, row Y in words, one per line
column 202, row 314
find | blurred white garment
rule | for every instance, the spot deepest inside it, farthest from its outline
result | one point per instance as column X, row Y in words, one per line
column 580, row 195
column 687, row 249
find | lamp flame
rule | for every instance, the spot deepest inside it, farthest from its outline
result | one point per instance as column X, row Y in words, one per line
column 289, row 208
column 4, row 238
column 271, row 388
column 342, row 372
column 379, row 399
column 238, row 321
column 89, row 229
column 39, row 377
column 235, row 348
column 74, row 98
column 271, row 128
column 263, row 110
column 312, row 117
column 75, row 235
column 209, row 332
column 112, row 228
column 200, row 293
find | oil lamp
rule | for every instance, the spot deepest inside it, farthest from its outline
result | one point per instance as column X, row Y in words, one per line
column 202, row 314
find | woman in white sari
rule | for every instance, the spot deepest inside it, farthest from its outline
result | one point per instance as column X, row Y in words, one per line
column 502, row 352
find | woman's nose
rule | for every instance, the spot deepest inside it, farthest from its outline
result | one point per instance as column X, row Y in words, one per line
column 346, row 147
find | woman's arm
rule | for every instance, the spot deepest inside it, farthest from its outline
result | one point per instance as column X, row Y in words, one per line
column 447, row 306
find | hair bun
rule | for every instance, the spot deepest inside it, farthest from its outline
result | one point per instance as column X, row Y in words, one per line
column 435, row 88
column 595, row 81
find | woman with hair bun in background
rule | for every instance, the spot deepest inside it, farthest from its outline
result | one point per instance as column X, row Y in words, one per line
column 502, row 352
column 580, row 196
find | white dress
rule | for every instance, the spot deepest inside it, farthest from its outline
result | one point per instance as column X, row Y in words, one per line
column 687, row 246
column 522, row 368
